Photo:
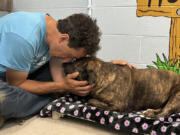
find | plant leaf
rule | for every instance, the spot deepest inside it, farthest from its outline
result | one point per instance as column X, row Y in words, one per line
column 150, row 67
column 155, row 63
column 178, row 71
column 165, row 66
column 159, row 62
column 165, row 58
column 171, row 68
column 175, row 67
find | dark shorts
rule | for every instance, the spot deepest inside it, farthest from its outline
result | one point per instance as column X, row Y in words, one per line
column 18, row 103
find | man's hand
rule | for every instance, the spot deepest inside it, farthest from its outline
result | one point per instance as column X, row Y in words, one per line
column 122, row 62
column 80, row 88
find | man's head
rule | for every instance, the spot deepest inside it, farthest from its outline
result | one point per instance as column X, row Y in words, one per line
column 73, row 37
column 82, row 32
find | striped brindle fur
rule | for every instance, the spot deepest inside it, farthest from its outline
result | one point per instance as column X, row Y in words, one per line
column 123, row 89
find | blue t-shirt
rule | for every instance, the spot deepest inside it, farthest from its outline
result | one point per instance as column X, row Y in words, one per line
column 23, row 44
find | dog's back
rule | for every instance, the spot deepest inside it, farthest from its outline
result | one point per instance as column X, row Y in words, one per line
column 152, row 87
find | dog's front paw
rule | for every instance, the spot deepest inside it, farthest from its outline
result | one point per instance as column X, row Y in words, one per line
column 151, row 113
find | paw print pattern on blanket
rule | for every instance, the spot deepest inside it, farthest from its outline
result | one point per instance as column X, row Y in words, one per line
column 133, row 122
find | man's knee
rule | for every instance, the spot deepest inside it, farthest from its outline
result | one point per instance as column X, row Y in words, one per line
column 2, row 96
column 3, row 88
column 16, row 102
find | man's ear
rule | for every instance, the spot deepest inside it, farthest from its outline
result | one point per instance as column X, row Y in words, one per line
column 64, row 37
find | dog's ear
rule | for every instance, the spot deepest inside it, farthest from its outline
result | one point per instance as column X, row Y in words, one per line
column 86, row 75
column 76, row 66
column 68, row 68
column 91, row 77
column 82, row 75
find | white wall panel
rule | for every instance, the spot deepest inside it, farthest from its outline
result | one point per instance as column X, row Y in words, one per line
column 56, row 8
column 2, row 13
column 152, row 45
column 58, row 13
column 123, row 21
column 153, row 26
column 46, row 4
column 119, row 47
column 108, row 3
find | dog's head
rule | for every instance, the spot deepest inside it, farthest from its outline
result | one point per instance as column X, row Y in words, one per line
column 85, row 66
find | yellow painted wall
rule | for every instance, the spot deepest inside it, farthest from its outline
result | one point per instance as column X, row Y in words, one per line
column 167, row 8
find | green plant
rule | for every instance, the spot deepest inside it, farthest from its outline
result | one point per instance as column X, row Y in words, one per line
column 159, row 64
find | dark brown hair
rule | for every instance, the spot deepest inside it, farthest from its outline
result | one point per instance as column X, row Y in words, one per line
column 83, row 32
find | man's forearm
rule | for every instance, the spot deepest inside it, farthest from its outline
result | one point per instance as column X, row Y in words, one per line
column 56, row 69
column 42, row 87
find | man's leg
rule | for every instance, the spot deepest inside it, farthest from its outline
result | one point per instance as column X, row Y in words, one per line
column 18, row 103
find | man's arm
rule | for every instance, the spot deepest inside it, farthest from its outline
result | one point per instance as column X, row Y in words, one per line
column 122, row 62
column 57, row 72
column 73, row 86
column 68, row 84
column 19, row 78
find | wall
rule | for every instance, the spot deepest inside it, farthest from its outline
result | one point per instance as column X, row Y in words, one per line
column 56, row 8
column 2, row 13
column 128, row 37
column 125, row 36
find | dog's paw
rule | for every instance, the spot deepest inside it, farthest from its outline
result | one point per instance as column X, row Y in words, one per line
column 151, row 113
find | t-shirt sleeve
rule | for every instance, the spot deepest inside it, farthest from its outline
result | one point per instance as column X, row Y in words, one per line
column 15, row 52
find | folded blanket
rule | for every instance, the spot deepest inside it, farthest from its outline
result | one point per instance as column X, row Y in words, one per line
column 6, row 5
column 134, row 122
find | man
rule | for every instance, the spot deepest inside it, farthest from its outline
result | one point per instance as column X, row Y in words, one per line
column 28, row 41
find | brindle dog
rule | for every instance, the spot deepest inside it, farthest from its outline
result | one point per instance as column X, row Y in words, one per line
column 123, row 89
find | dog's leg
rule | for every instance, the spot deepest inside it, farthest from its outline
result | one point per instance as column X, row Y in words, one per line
column 97, row 103
column 151, row 113
column 172, row 106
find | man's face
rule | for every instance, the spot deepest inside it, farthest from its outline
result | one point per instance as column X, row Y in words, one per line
column 62, row 50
